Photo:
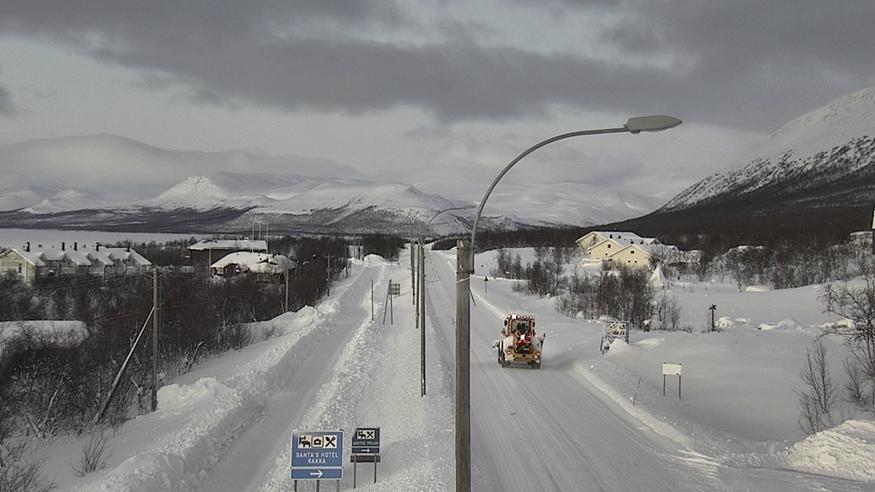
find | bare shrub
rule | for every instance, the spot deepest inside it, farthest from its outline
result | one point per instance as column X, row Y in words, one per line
column 94, row 454
column 819, row 394
column 855, row 385
column 20, row 469
column 668, row 313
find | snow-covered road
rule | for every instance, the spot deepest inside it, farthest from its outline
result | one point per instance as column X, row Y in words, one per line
column 545, row 429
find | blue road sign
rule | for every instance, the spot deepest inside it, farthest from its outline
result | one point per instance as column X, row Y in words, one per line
column 317, row 455
column 366, row 440
column 317, row 473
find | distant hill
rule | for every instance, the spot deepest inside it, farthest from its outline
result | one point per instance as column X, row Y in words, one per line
column 815, row 172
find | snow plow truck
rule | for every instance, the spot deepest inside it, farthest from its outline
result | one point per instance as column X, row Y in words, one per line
column 521, row 344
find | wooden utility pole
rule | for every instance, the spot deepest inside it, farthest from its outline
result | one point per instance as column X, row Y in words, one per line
column 286, row 309
column 328, row 274
column 121, row 371
column 155, row 310
column 713, row 310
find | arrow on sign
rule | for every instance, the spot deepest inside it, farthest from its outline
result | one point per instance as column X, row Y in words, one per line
column 317, row 474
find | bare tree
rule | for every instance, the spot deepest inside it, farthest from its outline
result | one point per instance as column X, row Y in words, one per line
column 855, row 302
column 819, row 394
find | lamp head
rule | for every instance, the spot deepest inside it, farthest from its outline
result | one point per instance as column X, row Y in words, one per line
column 653, row 123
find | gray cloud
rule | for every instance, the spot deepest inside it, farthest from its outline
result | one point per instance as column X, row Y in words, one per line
column 110, row 162
column 748, row 64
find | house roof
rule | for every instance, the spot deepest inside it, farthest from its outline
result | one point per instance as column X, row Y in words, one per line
column 621, row 237
column 32, row 257
column 127, row 254
column 109, row 256
column 233, row 244
column 78, row 258
column 647, row 248
column 256, row 262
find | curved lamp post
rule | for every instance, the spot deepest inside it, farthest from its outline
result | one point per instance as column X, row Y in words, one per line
column 420, row 289
column 464, row 269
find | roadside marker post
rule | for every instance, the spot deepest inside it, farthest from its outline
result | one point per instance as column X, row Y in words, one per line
column 671, row 369
column 365, row 449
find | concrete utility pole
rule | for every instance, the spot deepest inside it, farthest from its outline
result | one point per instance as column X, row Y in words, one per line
column 155, row 310
column 463, row 375
column 422, row 309
column 412, row 272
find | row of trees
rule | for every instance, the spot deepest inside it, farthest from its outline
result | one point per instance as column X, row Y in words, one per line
column 786, row 265
column 622, row 293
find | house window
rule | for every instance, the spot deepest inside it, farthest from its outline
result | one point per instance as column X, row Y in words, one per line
column 19, row 268
column 609, row 246
column 632, row 252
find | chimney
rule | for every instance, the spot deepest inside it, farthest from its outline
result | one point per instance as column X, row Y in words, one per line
column 27, row 248
column 63, row 246
column 75, row 246
column 97, row 247
column 128, row 248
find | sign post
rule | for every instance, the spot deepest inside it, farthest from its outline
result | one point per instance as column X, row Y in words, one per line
column 317, row 455
column 365, row 449
column 671, row 369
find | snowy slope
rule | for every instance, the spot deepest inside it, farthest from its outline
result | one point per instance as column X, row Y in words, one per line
column 818, row 147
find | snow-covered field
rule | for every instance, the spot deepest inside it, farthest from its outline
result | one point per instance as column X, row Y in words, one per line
column 584, row 421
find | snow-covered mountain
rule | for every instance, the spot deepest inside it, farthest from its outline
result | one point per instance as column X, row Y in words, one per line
column 105, row 180
column 293, row 194
column 822, row 156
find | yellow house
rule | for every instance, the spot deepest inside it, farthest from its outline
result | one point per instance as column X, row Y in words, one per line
column 617, row 247
column 633, row 256
column 22, row 264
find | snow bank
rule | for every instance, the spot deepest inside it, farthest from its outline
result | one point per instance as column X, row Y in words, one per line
column 649, row 343
column 175, row 396
column 844, row 451
column 757, row 288
column 618, row 346
column 784, row 324
column 375, row 260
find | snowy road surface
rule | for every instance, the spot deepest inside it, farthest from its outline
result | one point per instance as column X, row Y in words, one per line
column 555, row 429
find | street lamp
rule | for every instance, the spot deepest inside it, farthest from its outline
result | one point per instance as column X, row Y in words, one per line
column 464, row 269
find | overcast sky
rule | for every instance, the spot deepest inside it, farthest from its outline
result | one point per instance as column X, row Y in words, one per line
column 405, row 90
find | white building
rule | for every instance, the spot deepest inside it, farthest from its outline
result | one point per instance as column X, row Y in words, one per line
column 34, row 265
column 264, row 265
